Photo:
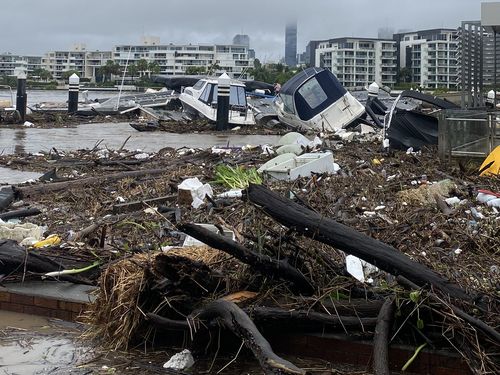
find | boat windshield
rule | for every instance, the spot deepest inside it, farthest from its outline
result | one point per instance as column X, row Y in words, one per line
column 237, row 96
column 317, row 94
column 198, row 85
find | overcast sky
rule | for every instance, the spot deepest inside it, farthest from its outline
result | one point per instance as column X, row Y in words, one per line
column 37, row 26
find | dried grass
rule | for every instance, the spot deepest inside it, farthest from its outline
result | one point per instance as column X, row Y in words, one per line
column 115, row 315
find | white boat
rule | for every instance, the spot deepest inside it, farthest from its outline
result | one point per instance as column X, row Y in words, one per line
column 200, row 100
column 315, row 99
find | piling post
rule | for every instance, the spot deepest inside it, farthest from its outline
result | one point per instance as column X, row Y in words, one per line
column 21, row 98
column 223, row 90
column 74, row 88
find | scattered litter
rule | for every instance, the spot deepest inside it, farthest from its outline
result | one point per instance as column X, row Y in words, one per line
column 180, row 361
column 25, row 234
column 51, row 240
column 359, row 269
column 192, row 191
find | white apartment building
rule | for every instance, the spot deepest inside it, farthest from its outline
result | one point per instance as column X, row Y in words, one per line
column 11, row 64
column 78, row 58
column 175, row 59
column 357, row 62
column 432, row 56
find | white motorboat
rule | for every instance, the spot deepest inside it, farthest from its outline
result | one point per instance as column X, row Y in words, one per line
column 315, row 99
column 200, row 100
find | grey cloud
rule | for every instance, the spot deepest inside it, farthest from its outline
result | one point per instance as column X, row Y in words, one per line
column 42, row 25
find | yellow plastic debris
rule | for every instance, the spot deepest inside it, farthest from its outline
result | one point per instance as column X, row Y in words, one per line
column 51, row 240
column 491, row 165
column 376, row 162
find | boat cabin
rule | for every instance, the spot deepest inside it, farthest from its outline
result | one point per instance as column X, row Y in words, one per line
column 315, row 98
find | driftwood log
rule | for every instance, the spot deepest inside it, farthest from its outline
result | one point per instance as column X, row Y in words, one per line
column 25, row 212
column 280, row 317
column 15, row 258
column 29, row 191
column 237, row 321
column 264, row 264
column 342, row 237
column 381, row 338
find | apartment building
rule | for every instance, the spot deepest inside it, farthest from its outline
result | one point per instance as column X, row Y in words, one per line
column 84, row 62
column 431, row 55
column 11, row 65
column 175, row 59
column 357, row 62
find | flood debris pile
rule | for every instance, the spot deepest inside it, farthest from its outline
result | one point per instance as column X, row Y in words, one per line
column 393, row 247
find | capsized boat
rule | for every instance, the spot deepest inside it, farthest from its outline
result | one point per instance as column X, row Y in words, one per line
column 411, row 127
column 201, row 100
column 315, row 99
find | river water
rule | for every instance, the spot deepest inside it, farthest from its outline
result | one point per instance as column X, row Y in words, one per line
column 112, row 135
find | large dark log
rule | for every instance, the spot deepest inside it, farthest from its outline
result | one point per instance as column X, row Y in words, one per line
column 264, row 264
column 290, row 318
column 294, row 317
column 238, row 322
column 16, row 259
column 342, row 237
column 381, row 338
column 25, row 212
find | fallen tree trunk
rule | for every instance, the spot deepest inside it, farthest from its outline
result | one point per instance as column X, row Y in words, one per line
column 280, row 317
column 25, row 212
column 342, row 237
column 262, row 263
column 28, row 191
column 381, row 338
column 15, row 258
column 293, row 317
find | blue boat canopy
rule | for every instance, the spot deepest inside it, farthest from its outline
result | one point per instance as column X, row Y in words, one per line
column 310, row 92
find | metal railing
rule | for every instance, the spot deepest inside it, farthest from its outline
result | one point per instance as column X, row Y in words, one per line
column 468, row 133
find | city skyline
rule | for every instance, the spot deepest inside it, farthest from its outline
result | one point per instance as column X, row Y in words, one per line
column 49, row 25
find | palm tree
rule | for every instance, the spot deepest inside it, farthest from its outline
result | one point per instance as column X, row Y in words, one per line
column 153, row 67
column 132, row 70
column 111, row 68
column 43, row 74
column 142, row 67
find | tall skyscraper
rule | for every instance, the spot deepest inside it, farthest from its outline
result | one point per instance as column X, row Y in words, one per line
column 241, row 39
column 291, row 44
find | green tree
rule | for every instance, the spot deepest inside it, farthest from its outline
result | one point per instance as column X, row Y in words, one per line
column 142, row 67
column 153, row 68
column 196, row 70
column 404, row 75
column 132, row 71
column 111, row 68
column 43, row 74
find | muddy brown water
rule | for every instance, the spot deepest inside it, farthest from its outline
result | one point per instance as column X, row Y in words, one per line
column 112, row 135
column 32, row 345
